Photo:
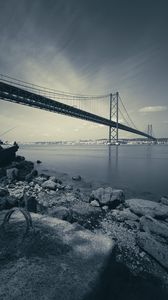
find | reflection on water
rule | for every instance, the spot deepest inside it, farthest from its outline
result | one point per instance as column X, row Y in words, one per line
column 139, row 168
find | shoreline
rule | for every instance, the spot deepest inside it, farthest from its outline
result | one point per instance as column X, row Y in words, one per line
column 134, row 224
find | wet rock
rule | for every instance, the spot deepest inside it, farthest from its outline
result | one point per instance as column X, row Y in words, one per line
column 38, row 161
column 12, row 174
column 61, row 212
column 164, row 200
column 107, row 196
column 29, row 177
column 153, row 247
column 3, row 192
column 149, row 224
column 49, row 184
column 143, row 207
column 77, row 178
column 95, row 203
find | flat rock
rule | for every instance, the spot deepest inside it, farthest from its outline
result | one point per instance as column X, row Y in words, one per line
column 125, row 214
column 153, row 247
column 143, row 207
column 63, row 262
column 149, row 224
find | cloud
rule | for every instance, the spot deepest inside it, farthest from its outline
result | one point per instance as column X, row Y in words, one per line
column 147, row 109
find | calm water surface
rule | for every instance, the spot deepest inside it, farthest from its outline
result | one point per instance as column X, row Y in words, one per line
column 141, row 169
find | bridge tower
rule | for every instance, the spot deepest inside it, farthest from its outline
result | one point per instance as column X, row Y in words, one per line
column 150, row 130
column 113, row 131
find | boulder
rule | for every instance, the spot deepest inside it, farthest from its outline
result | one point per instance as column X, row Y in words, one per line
column 29, row 177
column 49, row 184
column 95, row 203
column 157, row 250
column 25, row 167
column 38, row 161
column 123, row 215
column 107, row 196
column 12, row 174
column 164, row 200
column 149, row 224
column 68, row 188
column 143, row 207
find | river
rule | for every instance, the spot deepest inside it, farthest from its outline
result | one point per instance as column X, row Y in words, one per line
column 141, row 170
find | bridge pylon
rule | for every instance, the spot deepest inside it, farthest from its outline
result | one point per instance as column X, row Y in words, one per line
column 113, row 131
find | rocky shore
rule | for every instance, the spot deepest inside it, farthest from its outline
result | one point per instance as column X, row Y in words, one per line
column 138, row 227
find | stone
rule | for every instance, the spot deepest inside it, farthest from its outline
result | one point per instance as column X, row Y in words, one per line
column 49, row 184
column 29, row 177
column 31, row 204
column 38, row 161
column 25, row 168
column 123, row 215
column 157, row 250
column 17, row 193
column 60, row 212
column 68, row 188
column 107, row 196
column 3, row 192
column 149, row 224
column 12, row 174
column 39, row 179
column 95, row 203
column 164, row 200
column 77, row 178
column 143, row 207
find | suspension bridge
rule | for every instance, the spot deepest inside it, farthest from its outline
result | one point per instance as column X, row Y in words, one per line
column 104, row 109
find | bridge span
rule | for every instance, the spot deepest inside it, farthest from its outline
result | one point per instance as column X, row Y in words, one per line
column 16, row 94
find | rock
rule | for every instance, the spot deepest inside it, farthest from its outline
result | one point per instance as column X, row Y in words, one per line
column 77, row 178
column 107, row 196
column 164, row 200
column 31, row 204
column 149, row 224
column 61, row 212
column 95, row 203
column 49, row 184
column 59, row 186
column 38, row 161
column 153, row 247
column 25, row 168
column 123, row 215
column 29, row 177
column 19, row 158
column 68, row 188
column 105, row 208
column 12, row 174
column 17, row 193
column 39, row 180
column 143, row 207
column 3, row 192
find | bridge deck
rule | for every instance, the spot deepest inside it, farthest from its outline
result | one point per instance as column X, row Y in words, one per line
column 21, row 96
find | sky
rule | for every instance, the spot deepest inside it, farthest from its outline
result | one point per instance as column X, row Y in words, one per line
column 87, row 47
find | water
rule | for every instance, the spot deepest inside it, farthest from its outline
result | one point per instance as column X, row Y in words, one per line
column 141, row 170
